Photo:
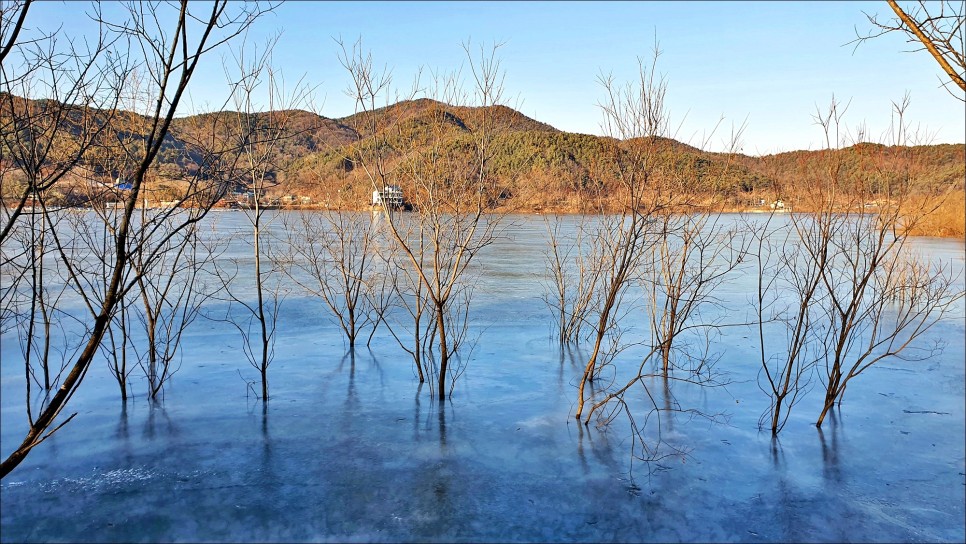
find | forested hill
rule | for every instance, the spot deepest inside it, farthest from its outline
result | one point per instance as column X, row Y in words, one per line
column 544, row 169
column 539, row 167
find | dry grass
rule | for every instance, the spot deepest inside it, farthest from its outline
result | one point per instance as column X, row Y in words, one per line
column 947, row 220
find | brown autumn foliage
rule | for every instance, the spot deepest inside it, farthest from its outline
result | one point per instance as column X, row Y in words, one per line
column 545, row 170
column 947, row 217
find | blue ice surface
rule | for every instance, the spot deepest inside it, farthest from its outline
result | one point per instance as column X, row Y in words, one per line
column 351, row 448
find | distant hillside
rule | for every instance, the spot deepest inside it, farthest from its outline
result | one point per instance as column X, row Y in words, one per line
column 938, row 168
column 543, row 168
column 420, row 112
column 539, row 167
column 305, row 133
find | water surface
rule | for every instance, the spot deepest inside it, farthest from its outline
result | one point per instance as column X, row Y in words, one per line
column 350, row 448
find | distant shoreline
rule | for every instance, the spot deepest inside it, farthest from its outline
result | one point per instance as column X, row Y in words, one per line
column 946, row 221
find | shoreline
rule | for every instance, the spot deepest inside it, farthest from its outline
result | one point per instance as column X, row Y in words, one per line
column 943, row 226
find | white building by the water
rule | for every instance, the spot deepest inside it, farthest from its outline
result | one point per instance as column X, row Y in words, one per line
column 392, row 195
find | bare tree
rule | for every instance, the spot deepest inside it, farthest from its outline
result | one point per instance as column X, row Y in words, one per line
column 786, row 373
column 335, row 256
column 663, row 253
column 34, row 291
column 695, row 253
column 937, row 27
column 452, row 196
column 879, row 300
column 409, row 317
column 859, row 295
column 119, row 349
column 171, row 296
column 257, row 138
column 167, row 45
column 163, row 294
column 12, row 15
column 370, row 88
column 621, row 241
column 42, row 141
column 574, row 271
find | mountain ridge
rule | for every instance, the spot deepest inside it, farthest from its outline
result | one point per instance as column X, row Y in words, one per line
column 542, row 167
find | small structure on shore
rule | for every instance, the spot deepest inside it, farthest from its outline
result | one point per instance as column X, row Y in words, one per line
column 391, row 196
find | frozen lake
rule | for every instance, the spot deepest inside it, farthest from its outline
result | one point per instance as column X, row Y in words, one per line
column 350, row 449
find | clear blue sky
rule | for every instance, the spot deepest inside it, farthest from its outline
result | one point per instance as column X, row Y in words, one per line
column 768, row 64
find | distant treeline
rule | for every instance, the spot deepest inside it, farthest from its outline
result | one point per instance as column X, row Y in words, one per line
column 540, row 168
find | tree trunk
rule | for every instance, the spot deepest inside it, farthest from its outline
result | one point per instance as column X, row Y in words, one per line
column 666, row 355
column 264, row 383
column 828, row 406
column 60, row 399
column 928, row 44
column 259, row 291
column 830, row 395
column 588, row 373
column 444, row 351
